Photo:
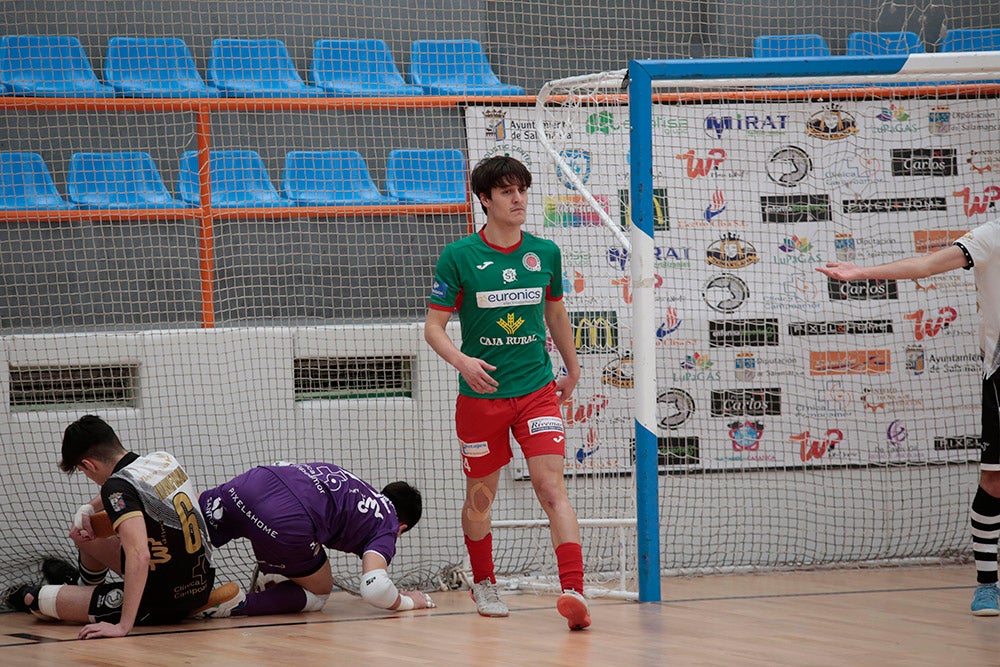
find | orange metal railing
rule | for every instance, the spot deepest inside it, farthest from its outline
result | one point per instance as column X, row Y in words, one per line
column 205, row 213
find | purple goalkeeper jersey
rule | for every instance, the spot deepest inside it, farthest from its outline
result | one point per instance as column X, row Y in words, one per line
column 288, row 508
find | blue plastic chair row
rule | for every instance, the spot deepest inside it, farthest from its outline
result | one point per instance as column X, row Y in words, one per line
column 874, row 43
column 164, row 67
column 130, row 180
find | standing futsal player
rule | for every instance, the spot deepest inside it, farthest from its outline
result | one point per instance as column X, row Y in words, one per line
column 290, row 512
column 978, row 250
column 506, row 286
column 160, row 549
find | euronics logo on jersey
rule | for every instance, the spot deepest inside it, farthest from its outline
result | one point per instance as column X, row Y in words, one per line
column 505, row 298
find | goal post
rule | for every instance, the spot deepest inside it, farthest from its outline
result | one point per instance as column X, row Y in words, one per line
column 668, row 107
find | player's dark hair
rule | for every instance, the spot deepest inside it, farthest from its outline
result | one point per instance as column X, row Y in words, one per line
column 89, row 437
column 407, row 502
column 498, row 171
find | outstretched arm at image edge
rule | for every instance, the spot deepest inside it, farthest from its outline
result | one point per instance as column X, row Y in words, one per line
column 922, row 266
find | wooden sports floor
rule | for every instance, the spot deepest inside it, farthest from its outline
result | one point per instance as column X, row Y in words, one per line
column 878, row 617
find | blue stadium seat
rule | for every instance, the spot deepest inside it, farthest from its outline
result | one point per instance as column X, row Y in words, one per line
column 789, row 46
column 426, row 176
column 358, row 68
column 26, row 184
column 153, row 67
column 239, row 180
column 329, row 178
column 980, row 39
column 883, row 43
column 117, row 180
column 455, row 67
column 49, row 66
column 256, row 68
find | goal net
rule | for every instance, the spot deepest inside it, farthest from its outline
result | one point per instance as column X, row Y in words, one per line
column 800, row 421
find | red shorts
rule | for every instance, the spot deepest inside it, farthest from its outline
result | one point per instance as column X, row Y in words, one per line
column 484, row 427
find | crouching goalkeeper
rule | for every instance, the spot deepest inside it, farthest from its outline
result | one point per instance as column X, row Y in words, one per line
column 291, row 512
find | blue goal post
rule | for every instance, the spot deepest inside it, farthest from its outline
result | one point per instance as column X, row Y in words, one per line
column 642, row 78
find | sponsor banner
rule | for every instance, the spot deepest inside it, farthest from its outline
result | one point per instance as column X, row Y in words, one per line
column 763, row 362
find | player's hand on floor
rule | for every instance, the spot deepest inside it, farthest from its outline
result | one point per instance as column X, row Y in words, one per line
column 420, row 600
column 96, row 630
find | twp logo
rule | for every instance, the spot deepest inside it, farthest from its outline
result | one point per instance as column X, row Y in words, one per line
column 816, row 448
column 932, row 326
column 574, row 413
column 697, row 166
column 976, row 204
column 626, row 285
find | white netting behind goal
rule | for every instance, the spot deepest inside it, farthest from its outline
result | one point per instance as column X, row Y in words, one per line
column 803, row 421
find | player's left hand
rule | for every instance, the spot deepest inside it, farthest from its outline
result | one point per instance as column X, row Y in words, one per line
column 97, row 630
column 565, row 386
column 79, row 536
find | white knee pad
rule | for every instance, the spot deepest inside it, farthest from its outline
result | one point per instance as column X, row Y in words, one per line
column 378, row 590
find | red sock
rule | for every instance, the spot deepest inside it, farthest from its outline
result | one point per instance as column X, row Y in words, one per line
column 481, row 558
column 569, row 556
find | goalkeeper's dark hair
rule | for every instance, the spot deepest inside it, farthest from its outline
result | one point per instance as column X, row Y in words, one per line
column 89, row 437
column 407, row 501
column 498, row 171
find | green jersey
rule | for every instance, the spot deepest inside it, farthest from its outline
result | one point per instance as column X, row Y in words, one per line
column 500, row 297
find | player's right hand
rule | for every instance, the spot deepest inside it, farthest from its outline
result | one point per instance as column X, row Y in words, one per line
column 477, row 376
column 102, row 629
column 420, row 600
column 841, row 270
